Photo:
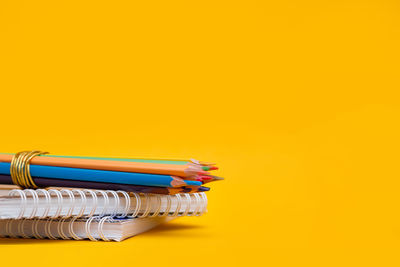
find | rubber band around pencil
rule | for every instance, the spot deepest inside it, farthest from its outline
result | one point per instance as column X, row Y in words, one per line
column 20, row 170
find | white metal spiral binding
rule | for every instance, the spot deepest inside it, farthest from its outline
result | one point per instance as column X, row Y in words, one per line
column 8, row 228
column 188, row 204
column 83, row 202
column 106, row 201
column 127, row 203
column 157, row 211
column 204, row 207
column 201, row 205
column 71, row 229
column 47, row 228
column 197, row 205
column 116, row 198
column 35, row 231
column 59, row 201
column 61, row 230
column 137, row 206
column 147, row 209
column 47, row 205
column 190, row 199
column 178, row 204
column 67, row 203
column 183, row 205
column 21, row 231
column 71, row 202
column 23, row 201
column 87, row 228
column 168, row 208
column 95, row 200
column 100, row 227
column 35, row 201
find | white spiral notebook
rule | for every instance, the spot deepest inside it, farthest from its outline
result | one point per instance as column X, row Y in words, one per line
column 65, row 203
column 93, row 228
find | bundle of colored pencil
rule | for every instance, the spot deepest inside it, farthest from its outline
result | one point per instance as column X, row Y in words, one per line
column 133, row 175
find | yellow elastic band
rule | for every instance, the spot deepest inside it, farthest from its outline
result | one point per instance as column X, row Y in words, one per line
column 19, row 169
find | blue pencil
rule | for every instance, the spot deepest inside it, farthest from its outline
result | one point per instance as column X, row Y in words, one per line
column 131, row 178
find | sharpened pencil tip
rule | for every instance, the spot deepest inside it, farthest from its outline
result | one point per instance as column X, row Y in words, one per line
column 203, row 177
column 203, row 189
column 188, row 182
column 217, row 177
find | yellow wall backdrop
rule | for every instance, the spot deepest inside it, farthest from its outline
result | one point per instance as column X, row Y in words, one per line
column 296, row 100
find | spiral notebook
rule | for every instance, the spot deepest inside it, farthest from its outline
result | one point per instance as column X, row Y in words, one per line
column 96, row 198
column 65, row 203
column 92, row 228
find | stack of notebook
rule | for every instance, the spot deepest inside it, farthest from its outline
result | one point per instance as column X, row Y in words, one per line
column 66, row 197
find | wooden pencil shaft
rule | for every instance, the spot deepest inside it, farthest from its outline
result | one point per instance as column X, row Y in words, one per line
column 78, row 174
column 153, row 168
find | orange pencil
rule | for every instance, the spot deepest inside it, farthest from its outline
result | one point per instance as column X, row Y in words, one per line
column 186, row 170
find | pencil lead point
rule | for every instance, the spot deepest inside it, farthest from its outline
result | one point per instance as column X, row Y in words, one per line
column 203, row 189
column 217, row 178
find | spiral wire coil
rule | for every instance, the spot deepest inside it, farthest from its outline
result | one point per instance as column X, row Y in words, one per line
column 66, row 203
column 65, row 224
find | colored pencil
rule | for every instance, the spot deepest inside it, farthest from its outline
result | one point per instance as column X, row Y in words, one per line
column 160, row 161
column 48, row 182
column 102, row 176
column 210, row 178
column 192, row 189
column 186, row 170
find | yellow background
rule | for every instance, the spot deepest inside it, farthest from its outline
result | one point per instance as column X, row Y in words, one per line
column 296, row 100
